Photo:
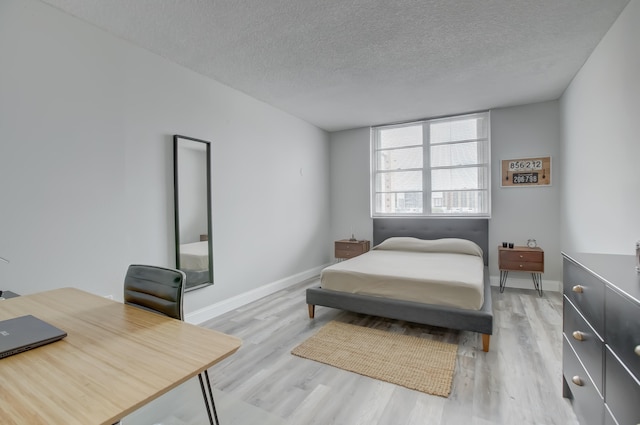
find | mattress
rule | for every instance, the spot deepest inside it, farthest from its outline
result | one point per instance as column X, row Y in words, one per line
column 194, row 256
column 448, row 272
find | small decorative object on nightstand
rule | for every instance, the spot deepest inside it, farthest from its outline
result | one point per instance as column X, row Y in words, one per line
column 346, row 248
column 522, row 259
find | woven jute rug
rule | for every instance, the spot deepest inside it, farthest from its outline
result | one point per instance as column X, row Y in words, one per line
column 416, row 363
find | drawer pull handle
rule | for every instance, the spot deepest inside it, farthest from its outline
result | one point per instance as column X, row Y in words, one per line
column 522, row 256
column 578, row 289
column 577, row 380
column 578, row 336
column 637, row 351
column 521, row 266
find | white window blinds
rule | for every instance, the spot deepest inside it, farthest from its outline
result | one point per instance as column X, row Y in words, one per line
column 437, row 167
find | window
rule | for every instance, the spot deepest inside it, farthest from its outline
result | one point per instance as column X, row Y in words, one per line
column 437, row 167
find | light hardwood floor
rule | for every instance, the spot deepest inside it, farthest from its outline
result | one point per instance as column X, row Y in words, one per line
column 517, row 382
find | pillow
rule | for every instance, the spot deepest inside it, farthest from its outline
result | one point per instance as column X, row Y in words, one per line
column 450, row 245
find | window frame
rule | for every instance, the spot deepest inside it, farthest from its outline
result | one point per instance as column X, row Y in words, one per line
column 427, row 168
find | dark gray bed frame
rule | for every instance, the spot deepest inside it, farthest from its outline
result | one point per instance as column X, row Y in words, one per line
column 476, row 230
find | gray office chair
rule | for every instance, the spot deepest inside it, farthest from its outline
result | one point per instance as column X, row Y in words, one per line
column 160, row 290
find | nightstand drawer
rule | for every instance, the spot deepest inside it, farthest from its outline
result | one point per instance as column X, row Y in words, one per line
column 623, row 392
column 586, row 292
column 522, row 265
column 349, row 246
column 585, row 342
column 623, row 330
column 587, row 403
column 347, row 253
column 521, row 256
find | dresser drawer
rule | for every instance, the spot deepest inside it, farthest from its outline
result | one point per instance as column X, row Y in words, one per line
column 623, row 392
column 586, row 292
column 585, row 342
column 623, row 330
column 587, row 403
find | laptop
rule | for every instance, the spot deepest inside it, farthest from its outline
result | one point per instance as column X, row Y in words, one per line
column 25, row 333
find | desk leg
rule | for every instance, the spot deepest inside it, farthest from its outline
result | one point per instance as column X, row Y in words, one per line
column 537, row 282
column 503, row 279
column 208, row 398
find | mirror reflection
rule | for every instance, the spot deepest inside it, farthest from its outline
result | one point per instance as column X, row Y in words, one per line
column 192, row 185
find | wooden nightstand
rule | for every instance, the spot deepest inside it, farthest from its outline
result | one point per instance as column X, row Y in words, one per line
column 345, row 248
column 521, row 259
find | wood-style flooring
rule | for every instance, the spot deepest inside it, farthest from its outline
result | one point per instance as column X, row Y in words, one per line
column 519, row 381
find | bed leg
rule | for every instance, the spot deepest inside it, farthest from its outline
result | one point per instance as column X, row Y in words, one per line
column 312, row 310
column 485, row 342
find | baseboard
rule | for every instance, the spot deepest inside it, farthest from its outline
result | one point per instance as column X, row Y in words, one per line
column 207, row 313
column 527, row 283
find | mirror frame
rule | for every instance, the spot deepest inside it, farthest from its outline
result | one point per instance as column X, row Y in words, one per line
column 176, row 144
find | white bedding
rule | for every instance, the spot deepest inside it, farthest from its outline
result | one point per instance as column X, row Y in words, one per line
column 194, row 256
column 448, row 272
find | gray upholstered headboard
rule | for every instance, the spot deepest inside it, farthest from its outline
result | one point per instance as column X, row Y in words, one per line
column 474, row 229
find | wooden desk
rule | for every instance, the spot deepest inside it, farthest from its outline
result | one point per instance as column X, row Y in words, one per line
column 115, row 359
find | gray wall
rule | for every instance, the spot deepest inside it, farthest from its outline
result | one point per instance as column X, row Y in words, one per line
column 86, row 174
column 517, row 213
column 521, row 213
column 601, row 145
column 350, row 168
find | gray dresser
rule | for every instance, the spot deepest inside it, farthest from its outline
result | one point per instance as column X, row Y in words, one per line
column 601, row 338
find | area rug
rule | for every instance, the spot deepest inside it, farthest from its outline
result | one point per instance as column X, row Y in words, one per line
column 416, row 363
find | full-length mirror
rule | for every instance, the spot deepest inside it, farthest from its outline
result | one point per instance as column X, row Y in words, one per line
column 192, row 187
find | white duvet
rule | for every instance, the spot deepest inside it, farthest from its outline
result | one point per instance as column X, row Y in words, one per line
column 194, row 256
column 448, row 272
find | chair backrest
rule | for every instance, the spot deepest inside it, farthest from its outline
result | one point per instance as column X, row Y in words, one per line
column 155, row 289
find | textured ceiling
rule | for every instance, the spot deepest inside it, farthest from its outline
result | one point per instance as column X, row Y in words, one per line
column 343, row 64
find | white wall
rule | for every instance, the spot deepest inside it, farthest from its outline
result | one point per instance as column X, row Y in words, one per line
column 86, row 125
column 601, row 144
column 521, row 213
column 350, row 199
column 517, row 213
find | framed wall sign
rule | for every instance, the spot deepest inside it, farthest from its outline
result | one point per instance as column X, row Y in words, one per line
column 526, row 172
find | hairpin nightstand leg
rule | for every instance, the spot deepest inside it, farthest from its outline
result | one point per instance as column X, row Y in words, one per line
column 503, row 279
column 537, row 282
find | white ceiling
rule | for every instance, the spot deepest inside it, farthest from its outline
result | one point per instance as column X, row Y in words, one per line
column 343, row 64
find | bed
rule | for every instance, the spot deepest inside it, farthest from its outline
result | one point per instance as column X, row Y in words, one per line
column 473, row 314
column 194, row 262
